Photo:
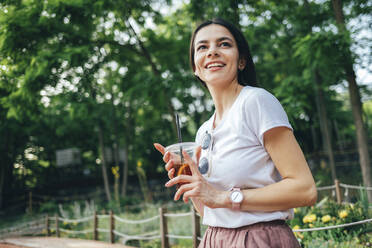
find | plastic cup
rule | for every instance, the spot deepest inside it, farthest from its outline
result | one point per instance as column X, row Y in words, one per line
column 182, row 168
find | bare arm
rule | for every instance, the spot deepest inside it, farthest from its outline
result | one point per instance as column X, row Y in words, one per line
column 297, row 187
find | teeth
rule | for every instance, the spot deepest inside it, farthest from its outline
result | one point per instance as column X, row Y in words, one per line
column 215, row 65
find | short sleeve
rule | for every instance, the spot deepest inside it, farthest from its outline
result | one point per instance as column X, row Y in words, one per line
column 264, row 112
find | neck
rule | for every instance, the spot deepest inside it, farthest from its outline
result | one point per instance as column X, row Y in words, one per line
column 223, row 98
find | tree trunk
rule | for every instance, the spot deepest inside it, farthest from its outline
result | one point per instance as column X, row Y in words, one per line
column 125, row 173
column 362, row 140
column 356, row 104
column 235, row 13
column 128, row 140
column 104, row 167
column 6, row 165
column 2, row 177
column 340, row 137
column 324, row 127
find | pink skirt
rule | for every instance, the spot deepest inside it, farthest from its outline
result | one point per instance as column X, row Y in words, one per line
column 272, row 234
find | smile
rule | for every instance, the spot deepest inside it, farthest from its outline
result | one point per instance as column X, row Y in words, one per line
column 212, row 65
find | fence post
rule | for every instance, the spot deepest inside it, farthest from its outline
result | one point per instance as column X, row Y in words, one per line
column 57, row 227
column 112, row 227
column 30, row 202
column 47, row 225
column 195, row 227
column 338, row 191
column 163, row 228
column 95, row 226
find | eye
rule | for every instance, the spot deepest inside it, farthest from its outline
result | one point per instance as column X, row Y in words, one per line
column 225, row 44
column 201, row 47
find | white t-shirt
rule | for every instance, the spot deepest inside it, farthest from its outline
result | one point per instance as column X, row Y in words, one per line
column 237, row 156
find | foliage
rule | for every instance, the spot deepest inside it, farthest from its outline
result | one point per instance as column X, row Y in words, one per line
column 67, row 67
column 326, row 213
column 329, row 213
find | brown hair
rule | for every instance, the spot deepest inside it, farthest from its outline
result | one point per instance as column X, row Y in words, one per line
column 247, row 76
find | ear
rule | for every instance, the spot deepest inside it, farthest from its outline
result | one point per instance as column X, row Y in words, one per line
column 241, row 64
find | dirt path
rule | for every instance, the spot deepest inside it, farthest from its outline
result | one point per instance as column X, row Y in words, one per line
column 51, row 242
column 2, row 245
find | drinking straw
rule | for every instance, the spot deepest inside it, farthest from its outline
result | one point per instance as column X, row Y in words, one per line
column 179, row 135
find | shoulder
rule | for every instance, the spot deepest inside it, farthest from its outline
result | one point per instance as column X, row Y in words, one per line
column 252, row 94
column 255, row 99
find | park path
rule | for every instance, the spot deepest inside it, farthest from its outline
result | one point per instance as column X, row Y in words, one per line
column 52, row 242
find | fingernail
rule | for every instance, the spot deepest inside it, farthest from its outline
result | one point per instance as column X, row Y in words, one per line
column 166, row 184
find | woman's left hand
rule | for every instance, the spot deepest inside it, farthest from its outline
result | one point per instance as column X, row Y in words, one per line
column 196, row 186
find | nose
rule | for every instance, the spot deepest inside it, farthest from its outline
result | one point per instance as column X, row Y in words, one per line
column 212, row 51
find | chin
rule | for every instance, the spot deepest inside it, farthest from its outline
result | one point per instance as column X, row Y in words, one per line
column 218, row 80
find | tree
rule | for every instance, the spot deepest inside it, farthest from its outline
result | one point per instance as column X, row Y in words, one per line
column 356, row 105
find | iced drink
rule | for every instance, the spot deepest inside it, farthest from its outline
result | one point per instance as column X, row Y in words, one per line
column 182, row 168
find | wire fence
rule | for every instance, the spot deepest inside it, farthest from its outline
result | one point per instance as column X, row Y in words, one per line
column 32, row 201
column 44, row 226
column 48, row 225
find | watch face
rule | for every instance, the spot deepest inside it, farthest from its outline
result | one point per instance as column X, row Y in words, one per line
column 236, row 196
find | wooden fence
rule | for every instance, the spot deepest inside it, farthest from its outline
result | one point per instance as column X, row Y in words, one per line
column 45, row 225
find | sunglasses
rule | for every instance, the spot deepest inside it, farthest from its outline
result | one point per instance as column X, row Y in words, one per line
column 205, row 145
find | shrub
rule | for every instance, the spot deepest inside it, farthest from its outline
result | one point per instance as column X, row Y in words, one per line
column 329, row 213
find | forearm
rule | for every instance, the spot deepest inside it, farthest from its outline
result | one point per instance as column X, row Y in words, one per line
column 286, row 194
column 199, row 206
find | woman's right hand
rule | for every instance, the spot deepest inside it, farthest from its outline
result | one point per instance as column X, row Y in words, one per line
column 169, row 158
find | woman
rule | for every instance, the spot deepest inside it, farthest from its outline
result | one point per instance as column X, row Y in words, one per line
column 250, row 171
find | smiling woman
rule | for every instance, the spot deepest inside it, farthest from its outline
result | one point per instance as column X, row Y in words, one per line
column 249, row 171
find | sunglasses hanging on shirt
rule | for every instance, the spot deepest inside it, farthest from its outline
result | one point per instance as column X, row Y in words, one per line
column 206, row 143
column 206, row 140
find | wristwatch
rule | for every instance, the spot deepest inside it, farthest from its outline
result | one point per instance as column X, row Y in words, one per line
column 236, row 197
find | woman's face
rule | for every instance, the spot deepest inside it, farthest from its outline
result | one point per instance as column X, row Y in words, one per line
column 216, row 56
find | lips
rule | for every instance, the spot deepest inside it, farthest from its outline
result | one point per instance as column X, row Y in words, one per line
column 214, row 64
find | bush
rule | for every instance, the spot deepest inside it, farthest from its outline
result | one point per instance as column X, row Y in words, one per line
column 329, row 213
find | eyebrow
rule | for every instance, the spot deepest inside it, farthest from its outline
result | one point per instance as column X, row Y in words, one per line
column 218, row 40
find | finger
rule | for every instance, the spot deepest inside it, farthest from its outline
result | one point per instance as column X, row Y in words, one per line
column 160, row 148
column 193, row 167
column 179, row 179
column 169, row 165
column 171, row 173
column 184, row 188
column 191, row 193
column 198, row 153
column 170, row 155
column 166, row 157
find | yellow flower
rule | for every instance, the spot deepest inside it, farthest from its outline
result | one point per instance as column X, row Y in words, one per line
column 115, row 171
column 295, row 210
column 297, row 234
column 326, row 218
column 311, row 225
column 139, row 163
column 309, row 218
column 343, row 214
column 351, row 206
column 305, row 219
